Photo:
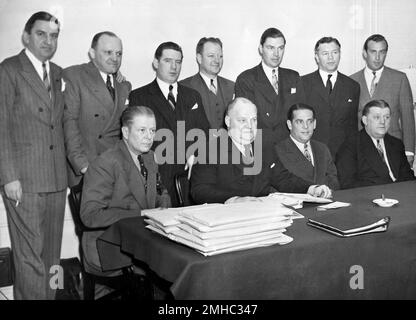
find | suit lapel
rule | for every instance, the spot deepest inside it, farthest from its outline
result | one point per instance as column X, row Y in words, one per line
column 162, row 105
column 371, row 153
column 264, row 86
column 319, row 87
column 394, row 161
column 135, row 180
column 293, row 152
column 365, row 94
column 56, row 78
column 98, row 88
column 318, row 169
column 33, row 79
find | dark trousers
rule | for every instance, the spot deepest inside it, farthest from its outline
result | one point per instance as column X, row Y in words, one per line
column 35, row 226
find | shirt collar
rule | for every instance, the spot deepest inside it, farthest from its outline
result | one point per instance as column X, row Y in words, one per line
column 164, row 87
column 269, row 71
column 207, row 80
column 104, row 76
column 369, row 73
column 239, row 146
column 324, row 76
column 300, row 145
column 37, row 64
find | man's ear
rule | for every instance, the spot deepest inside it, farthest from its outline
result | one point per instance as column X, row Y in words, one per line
column 91, row 53
column 365, row 54
column 25, row 38
column 364, row 120
column 227, row 121
column 199, row 58
column 155, row 64
column 314, row 124
column 125, row 132
column 289, row 124
column 260, row 49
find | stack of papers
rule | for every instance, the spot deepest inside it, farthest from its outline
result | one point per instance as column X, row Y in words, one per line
column 218, row 228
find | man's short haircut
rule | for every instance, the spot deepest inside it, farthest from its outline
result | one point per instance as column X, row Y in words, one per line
column 131, row 112
column 299, row 106
column 97, row 37
column 41, row 15
column 374, row 103
column 234, row 102
column 272, row 33
column 165, row 46
column 375, row 38
column 202, row 41
column 326, row 40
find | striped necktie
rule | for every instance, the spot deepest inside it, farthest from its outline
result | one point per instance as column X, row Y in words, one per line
column 171, row 98
column 275, row 81
column 212, row 87
column 306, row 153
column 373, row 84
column 110, row 87
column 380, row 151
column 45, row 79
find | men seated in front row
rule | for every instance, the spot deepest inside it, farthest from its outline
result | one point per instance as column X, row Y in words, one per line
column 230, row 177
column 308, row 159
column 121, row 182
column 373, row 156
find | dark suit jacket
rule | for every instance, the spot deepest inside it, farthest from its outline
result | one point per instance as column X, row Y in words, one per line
column 114, row 189
column 336, row 115
column 394, row 88
column 359, row 163
column 91, row 117
column 31, row 135
column 254, row 85
column 214, row 107
column 215, row 183
column 189, row 109
column 323, row 171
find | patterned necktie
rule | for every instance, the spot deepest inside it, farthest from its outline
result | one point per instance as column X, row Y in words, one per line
column 306, row 153
column 110, row 87
column 45, row 79
column 171, row 98
column 247, row 158
column 329, row 84
column 143, row 170
column 212, row 87
column 275, row 81
column 373, row 84
column 380, row 151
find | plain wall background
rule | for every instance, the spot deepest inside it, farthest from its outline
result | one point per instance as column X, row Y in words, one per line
column 144, row 24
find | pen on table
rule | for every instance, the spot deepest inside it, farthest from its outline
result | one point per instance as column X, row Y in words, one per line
column 17, row 203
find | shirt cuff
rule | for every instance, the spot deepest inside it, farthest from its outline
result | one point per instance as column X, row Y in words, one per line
column 408, row 153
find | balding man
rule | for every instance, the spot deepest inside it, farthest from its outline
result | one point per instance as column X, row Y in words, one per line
column 94, row 101
column 241, row 169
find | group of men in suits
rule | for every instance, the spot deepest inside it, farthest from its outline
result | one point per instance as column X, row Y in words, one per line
column 85, row 121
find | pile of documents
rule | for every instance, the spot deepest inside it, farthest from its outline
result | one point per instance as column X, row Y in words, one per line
column 218, row 228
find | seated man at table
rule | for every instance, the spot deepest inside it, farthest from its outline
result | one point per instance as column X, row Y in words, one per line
column 121, row 182
column 372, row 156
column 308, row 159
column 242, row 170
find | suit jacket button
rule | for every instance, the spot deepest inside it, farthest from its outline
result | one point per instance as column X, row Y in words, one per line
column 40, row 109
column 51, row 147
column 100, row 136
column 96, row 115
column 52, row 127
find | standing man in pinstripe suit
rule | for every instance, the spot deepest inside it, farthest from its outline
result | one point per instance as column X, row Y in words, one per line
column 32, row 157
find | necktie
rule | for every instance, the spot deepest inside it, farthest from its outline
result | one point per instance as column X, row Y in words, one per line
column 373, row 84
column 306, row 153
column 212, row 87
column 171, row 98
column 143, row 169
column 380, row 151
column 45, row 79
column 110, row 87
column 275, row 81
column 247, row 158
column 329, row 84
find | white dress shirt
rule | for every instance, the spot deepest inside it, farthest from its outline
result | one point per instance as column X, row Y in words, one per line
column 324, row 77
column 368, row 75
column 301, row 147
column 385, row 155
column 104, row 76
column 164, row 87
column 37, row 64
column 207, row 80
column 269, row 72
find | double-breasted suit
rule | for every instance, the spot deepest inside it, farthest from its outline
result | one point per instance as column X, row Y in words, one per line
column 188, row 114
column 394, row 88
column 322, row 172
column 114, row 189
column 336, row 113
column 91, row 117
column 32, row 151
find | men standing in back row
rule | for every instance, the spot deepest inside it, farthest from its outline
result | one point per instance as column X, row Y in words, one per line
column 333, row 95
column 32, row 157
column 216, row 92
column 380, row 82
column 174, row 106
column 94, row 101
column 271, row 88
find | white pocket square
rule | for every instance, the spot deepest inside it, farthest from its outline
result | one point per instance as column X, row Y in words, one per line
column 127, row 102
column 63, row 85
column 349, row 100
column 195, row 106
column 272, row 165
column 292, row 90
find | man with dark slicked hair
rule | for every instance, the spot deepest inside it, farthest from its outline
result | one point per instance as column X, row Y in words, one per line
column 94, row 101
column 32, row 158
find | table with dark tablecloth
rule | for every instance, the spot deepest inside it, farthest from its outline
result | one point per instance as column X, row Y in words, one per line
column 316, row 265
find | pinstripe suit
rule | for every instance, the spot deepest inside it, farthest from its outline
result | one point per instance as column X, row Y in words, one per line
column 32, row 152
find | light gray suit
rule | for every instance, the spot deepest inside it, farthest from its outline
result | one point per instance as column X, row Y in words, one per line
column 322, row 172
column 32, row 151
column 394, row 88
column 91, row 117
column 214, row 105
